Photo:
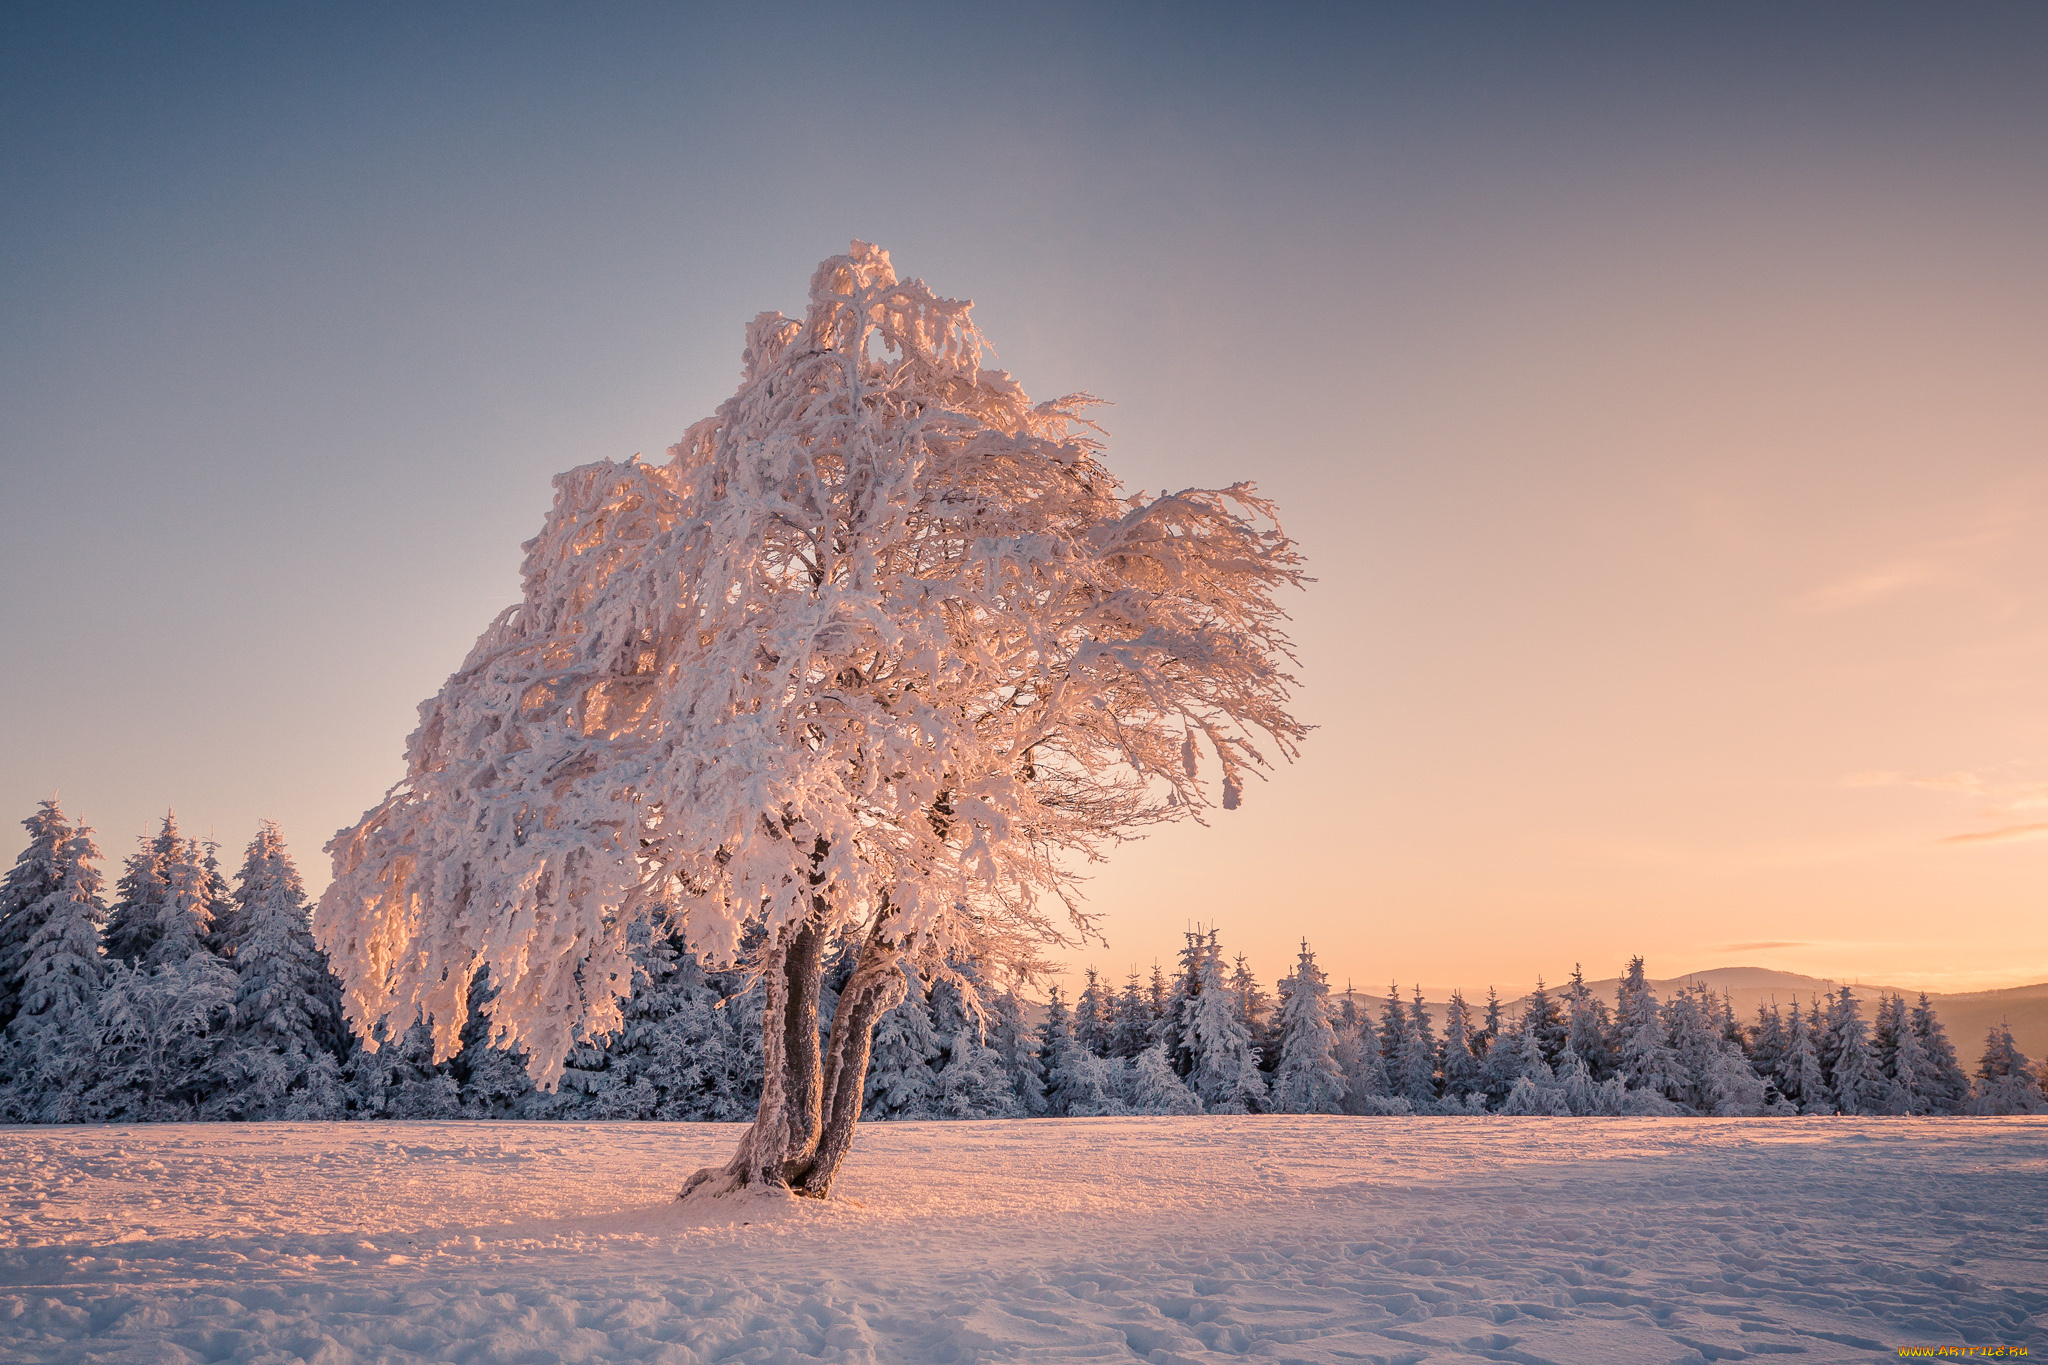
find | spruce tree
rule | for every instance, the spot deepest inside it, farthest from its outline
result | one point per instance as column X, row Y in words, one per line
column 1544, row 1018
column 1767, row 1044
column 283, row 1051
column 1902, row 1059
column 974, row 1083
column 1460, row 1069
column 1055, row 1043
column 61, row 980
column 1156, row 1090
column 1858, row 1086
column 1393, row 1038
column 1177, row 1023
column 1515, row 1055
column 900, row 1080
column 1694, row 1039
column 491, row 1077
column 1589, row 1027
column 1131, row 1033
column 1308, row 1079
column 1225, row 1071
column 1799, row 1074
column 224, row 932
column 1013, row 1042
column 1256, row 1012
column 1418, row 1058
column 2006, row 1080
column 401, row 1079
column 184, row 922
column 1092, row 1022
column 1647, row 1061
column 1365, row 1074
column 25, row 897
column 1947, row 1089
column 1490, row 1026
column 132, row 923
column 1826, row 1041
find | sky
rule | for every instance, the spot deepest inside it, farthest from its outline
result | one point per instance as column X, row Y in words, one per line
column 1655, row 393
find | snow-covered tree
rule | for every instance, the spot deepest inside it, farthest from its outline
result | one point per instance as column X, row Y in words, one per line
column 282, row 1060
column 1544, row 1017
column 1858, row 1086
column 1491, row 1024
column 1800, row 1078
column 1131, row 1031
column 1731, row 1088
column 399, row 1079
column 1516, row 1054
column 1018, row 1050
column 1589, row 1028
column 973, row 1084
column 1767, row 1044
column 1694, row 1039
column 882, row 654
column 1177, row 1019
column 2006, row 1080
column 1947, row 1089
column 1417, row 1079
column 1154, row 1089
column 133, row 922
column 60, row 981
column 1226, row 1065
column 1460, row 1069
column 1308, row 1080
column 1518, row 1059
column 1092, row 1023
column 1256, row 1012
column 1393, row 1034
column 1901, row 1060
column 155, row 1039
column 1365, row 1074
column 1084, row 1085
column 1646, row 1059
column 224, row 929
column 1074, row 1086
column 167, row 900
column 900, row 1081
column 38, row 875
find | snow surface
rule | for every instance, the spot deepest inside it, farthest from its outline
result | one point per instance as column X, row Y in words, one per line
column 1282, row 1239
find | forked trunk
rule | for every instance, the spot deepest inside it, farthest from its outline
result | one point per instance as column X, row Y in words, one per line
column 809, row 1102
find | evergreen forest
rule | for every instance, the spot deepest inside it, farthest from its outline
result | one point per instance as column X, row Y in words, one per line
column 182, row 993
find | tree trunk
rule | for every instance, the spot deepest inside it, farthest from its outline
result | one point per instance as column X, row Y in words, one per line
column 810, row 1102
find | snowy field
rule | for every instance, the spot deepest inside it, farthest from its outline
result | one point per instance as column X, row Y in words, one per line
column 1279, row 1239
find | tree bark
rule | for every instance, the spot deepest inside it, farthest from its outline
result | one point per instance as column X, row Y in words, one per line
column 810, row 1102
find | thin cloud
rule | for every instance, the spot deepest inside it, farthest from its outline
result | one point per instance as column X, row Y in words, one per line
column 1962, row 559
column 1758, row 947
column 1999, row 796
column 2011, row 834
column 1873, row 585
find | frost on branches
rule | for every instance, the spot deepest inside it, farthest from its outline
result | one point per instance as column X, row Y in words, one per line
column 875, row 659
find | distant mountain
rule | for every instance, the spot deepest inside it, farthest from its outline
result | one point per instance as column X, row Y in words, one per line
column 1967, row 1015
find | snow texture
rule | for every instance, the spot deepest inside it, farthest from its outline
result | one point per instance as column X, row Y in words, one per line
column 1311, row 1239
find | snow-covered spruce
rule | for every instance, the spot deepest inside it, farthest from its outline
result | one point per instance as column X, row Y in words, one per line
column 876, row 657
column 286, row 1029
column 1309, row 1080
column 61, row 974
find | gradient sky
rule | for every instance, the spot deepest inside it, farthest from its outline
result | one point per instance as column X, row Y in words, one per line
column 1659, row 395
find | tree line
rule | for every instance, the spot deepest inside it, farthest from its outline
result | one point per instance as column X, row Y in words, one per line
column 195, row 995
